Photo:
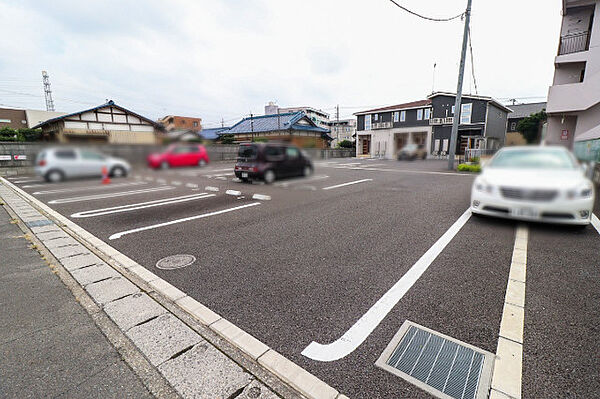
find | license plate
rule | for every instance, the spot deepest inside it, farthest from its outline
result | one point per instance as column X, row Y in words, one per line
column 525, row 212
column 244, row 174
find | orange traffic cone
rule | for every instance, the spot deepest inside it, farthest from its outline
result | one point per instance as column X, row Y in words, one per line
column 105, row 178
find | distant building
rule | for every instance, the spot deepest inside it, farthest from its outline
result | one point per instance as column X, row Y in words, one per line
column 520, row 112
column 106, row 123
column 173, row 122
column 319, row 117
column 213, row 133
column 36, row 116
column 344, row 129
column 18, row 118
column 574, row 97
column 295, row 127
column 382, row 132
column 13, row 117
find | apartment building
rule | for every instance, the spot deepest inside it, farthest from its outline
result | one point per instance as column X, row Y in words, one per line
column 382, row 132
column 319, row 117
column 343, row 129
column 574, row 97
column 181, row 123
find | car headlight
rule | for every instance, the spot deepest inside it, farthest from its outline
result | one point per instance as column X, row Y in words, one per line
column 582, row 191
column 483, row 186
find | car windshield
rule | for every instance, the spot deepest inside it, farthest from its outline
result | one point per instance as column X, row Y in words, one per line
column 247, row 152
column 533, row 159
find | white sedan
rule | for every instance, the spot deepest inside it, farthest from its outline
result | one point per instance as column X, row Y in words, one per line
column 544, row 184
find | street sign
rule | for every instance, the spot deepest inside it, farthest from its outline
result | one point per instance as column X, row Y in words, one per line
column 20, row 157
column 5, row 157
column 564, row 135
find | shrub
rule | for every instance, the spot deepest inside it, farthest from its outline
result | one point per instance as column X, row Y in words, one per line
column 227, row 139
column 345, row 144
column 475, row 160
column 260, row 140
column 463, row 167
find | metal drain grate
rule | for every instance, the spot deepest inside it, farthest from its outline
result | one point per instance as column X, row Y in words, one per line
column 175, row 262
column 438, row 364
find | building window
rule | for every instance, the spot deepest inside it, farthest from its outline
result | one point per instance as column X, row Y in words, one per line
column 402, row 116
column 419, row 114
column 396, row 116
column 453, row 110
column 427, row 113
column 5, row 120
column 513, row 126
column 195, row 124
column 367, row 122
column 465, row 113
column 376, row 117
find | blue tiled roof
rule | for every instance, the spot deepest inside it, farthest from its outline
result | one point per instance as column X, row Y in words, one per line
column 212, row 134
column 270, row 123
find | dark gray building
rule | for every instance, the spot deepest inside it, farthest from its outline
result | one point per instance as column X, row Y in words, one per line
column 383, row 131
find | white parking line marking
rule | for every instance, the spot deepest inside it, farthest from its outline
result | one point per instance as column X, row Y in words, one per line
column 221, row 178
column 149, row 178
column 161, row 181
column 88, row 188
column 596, row 223
column 205, row 215
column 109, row 195
column 36, row 185
column 219, row 170
column 301, row 180
column 417, row 171
column 191, row 185
column 261, row 197
column 357, row 334
column 347, row 184
column 28, row 181
column 233, row 192
column 141, row 205
column 508, row 368
column 176, row 183
column 220, row 175
column 211, row 188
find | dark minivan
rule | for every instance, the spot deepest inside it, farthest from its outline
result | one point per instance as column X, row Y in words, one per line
column 270, row 161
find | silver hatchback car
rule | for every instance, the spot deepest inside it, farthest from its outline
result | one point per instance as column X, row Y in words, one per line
column 57, row 164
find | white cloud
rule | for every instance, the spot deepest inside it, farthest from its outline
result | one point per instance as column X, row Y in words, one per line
column 227, row 59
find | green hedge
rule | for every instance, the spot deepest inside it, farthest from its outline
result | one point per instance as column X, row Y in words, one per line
column 20, row 135
column 463, row 167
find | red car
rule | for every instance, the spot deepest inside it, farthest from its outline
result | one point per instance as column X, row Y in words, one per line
column 179, row 155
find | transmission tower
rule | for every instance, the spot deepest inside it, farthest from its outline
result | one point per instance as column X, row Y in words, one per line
column 47, row 91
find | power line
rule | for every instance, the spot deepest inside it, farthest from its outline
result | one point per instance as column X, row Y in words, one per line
column 425, row 17
column 472, row 64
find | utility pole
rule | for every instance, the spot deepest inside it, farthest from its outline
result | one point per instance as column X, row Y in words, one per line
column 461, row 74
column 47, row 91
column 222, row 122
column 252, row 126
column 337, row 124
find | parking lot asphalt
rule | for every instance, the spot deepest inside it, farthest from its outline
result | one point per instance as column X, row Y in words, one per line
column 309, row 262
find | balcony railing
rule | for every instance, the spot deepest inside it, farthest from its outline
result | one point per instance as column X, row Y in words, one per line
column 441, row 121
column 382, row 125
column 574, row 43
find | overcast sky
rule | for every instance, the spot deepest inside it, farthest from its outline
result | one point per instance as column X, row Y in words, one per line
column 225, row 59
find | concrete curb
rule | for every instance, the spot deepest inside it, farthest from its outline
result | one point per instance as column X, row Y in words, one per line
column 302, row 382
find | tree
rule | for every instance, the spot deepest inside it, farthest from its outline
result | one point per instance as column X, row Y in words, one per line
column 227, row 138
column 345, row 144
column 529, row 127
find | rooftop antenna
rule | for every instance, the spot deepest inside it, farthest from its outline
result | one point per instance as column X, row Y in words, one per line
column 433, row 80
column 47, row 91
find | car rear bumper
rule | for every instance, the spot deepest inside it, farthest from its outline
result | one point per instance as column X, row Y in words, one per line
column 244, row 174
column 577, row 212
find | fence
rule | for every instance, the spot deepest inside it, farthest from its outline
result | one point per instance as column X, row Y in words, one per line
column 471, row 153
column 574, row 43
column 20, row 155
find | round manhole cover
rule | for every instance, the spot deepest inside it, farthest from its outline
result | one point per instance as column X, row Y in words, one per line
column 175, row 262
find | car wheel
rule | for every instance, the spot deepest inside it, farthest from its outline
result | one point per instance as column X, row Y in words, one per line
column 202, row 163
column 118, row 171
column 55, row 176
column 269, row 176
column 307, row 171
column 164, row 165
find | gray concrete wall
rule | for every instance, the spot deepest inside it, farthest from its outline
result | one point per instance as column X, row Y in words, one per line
column 136, row 154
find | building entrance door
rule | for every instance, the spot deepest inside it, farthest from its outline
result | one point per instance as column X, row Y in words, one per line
column 366, row 145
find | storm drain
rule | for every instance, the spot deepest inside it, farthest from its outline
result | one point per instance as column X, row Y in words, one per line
column 438, row 364
column 175, row 262
column 39, row 223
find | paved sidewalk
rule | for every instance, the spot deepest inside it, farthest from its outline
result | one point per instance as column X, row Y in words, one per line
column 49, row 345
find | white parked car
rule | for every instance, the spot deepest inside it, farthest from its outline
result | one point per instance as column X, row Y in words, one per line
column 57, row 164
column 544, row 184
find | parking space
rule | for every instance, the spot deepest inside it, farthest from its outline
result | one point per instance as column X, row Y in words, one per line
column 337, row 261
